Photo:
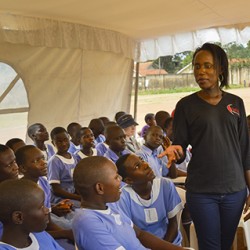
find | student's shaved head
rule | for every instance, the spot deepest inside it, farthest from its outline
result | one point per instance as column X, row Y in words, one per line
column 15, row 195
column 88, row 172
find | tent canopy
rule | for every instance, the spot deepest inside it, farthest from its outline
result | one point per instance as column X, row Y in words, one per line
column 161, row 27
column 76, row 57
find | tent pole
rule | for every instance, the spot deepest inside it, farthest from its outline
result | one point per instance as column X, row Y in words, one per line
column 136, row 89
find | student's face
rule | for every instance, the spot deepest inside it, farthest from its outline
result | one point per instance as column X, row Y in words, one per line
column 8, row 166
column 41, row 134
column 204, row 70
column 154, row 138
column 151, row 122
column 88, row 139
column 117, row 140
column 35, row 164
column 36, row 215
column 130, row 131
column 111, row 183
column 61, row 142
column 138, row 170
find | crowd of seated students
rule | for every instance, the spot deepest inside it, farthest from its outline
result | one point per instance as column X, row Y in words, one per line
column 73, row 201
column 51, row 165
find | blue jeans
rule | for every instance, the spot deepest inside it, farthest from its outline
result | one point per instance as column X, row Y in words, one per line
column 216, row 218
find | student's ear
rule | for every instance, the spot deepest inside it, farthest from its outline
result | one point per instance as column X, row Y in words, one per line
column 99, row 188
column 17, row 217
column 53, row 143
column 33, row 137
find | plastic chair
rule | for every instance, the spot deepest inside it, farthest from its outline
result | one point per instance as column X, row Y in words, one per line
column 193, row 237
column 246, row 227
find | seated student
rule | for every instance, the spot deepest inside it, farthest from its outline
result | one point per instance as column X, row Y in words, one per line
column 97, row 127
column 24, row 217
column 32, row 164
column 105, row 120
column 151, row 203
column 39, row 135
column 118, row 115
column 87, row 142
column 128, row 123
column 101, row 224
column 15, row 144
column 8, row 169
column 160, row 118
column 8, row 166
column 150, row 151
column 72, row 129
column 61, row 167
column 102, row 147
column 150, row 121
column 116, row 141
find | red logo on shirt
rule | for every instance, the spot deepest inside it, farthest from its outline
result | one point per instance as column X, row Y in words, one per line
column 232, row 110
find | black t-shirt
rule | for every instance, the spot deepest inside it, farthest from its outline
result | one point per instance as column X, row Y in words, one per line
column 220, row 144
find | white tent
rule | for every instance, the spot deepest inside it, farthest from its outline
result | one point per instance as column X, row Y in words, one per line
column 76, row 57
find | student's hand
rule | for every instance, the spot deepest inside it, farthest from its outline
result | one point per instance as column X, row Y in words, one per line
column 62, row 208
column 173, row 152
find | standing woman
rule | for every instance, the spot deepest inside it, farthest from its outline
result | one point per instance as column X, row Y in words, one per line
column 214, row 123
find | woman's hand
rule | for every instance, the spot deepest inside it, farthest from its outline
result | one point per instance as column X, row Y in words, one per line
column 173, row 152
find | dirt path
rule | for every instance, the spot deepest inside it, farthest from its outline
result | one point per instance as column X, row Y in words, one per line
column 154, row 103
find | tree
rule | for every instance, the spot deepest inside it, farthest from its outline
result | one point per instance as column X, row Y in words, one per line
column 172, row 64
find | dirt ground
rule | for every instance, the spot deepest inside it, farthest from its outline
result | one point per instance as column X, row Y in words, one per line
column 154, row 103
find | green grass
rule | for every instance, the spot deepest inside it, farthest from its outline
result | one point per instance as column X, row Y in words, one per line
column 177, row 90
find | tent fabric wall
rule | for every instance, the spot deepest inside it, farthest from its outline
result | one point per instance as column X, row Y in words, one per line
column 66, row 85
column 44, row 32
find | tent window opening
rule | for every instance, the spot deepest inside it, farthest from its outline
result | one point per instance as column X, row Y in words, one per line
column 14, row 104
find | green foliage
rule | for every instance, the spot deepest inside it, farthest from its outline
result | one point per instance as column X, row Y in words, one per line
column 177, row 90
column 173, row 64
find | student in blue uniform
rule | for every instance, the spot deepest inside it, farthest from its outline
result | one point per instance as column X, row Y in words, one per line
column 61, row 167
column 73, row 129
column 24, row 217
column 116, row 139
column 97, row 127
column 8, row 168
column 39, row 135
column 87, row 142
column 152, row 148
column 151, row 203
column 102, row 147
column 100, row 224
column 33, row 166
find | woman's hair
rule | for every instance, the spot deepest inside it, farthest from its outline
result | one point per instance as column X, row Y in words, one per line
column 220, row 61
